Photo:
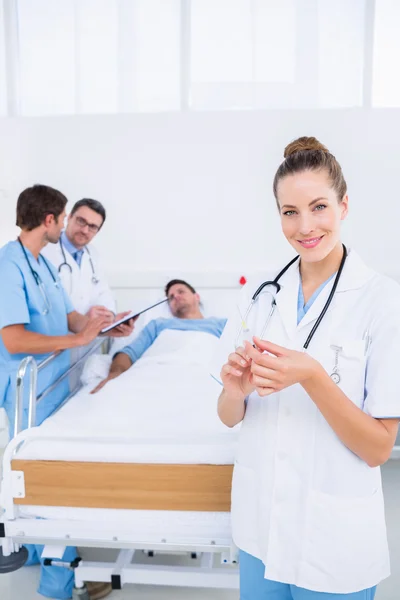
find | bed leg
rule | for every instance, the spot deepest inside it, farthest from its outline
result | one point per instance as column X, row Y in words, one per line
column 80, row 593
column 206, row 560
column 231, row 557
column 11, row 559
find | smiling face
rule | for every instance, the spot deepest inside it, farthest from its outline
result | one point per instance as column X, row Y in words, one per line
column 311, row 213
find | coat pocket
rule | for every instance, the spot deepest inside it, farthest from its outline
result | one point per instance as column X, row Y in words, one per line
column 348, row 360
column 345, row 542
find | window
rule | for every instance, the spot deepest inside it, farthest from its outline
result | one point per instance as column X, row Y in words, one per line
column 386, row 75
column 96, row 56
column 3, row 74
column 341, row 30
column 112, row 56
column 268, row 54
column 47, row 52
column 150, row 53
column 99, row 56
column 242, row 52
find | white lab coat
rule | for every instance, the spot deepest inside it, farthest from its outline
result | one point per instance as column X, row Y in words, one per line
column 84, row 293
column 302, row 502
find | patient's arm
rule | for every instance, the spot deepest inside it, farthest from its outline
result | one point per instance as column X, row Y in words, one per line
column 131, row 353
column 121, row 363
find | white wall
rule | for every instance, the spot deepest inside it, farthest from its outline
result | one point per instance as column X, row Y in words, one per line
column 190, row 193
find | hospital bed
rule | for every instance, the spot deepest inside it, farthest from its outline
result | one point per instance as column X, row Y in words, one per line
column 73, row 482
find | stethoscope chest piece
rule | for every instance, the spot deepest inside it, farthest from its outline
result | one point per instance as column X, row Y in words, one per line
column 335, row 373
column 335, row 377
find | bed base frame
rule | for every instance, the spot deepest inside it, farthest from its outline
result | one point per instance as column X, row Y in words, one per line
column 113, row 486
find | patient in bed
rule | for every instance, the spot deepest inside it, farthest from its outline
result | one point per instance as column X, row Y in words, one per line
column 184, row 303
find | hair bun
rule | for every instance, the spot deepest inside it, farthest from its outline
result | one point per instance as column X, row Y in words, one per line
column 304, row 144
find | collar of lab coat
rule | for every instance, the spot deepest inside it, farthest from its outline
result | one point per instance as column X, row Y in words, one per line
column 355, row 274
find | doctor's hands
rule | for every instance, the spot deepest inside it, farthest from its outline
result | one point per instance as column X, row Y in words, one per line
column 90, row 331
column 101, row 311
column 278, row 369
column 236, row 375
column 124, row 329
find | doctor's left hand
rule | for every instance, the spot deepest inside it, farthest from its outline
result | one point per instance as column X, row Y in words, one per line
column 124, row 329
column 278, row 369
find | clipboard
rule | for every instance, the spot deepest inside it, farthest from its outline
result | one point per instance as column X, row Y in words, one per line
column 132, row 315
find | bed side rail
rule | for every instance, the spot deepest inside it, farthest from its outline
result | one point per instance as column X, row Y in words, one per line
column 29, row 362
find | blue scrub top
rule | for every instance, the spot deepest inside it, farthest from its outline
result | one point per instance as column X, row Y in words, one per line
column 303, row 308
column 21, row 302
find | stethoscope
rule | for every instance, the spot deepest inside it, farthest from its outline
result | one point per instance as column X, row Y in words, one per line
column 38, row 281
column 95, row 279
column 275, row 283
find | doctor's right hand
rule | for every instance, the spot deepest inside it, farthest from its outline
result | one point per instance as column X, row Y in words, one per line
column 236, row 374
column 91, row 330
column 101, row 311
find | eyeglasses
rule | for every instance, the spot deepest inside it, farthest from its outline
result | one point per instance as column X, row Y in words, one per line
column 83, row 223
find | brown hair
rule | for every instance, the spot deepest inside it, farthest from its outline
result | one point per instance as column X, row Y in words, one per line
column 308, row 154
column 94, row 205
column 35, row 203
column 176, row 282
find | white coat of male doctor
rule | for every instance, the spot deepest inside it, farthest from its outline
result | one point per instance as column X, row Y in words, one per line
column 78, row 262
column 79, row 268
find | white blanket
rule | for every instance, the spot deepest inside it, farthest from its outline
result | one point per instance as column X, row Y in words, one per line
column 166, row 399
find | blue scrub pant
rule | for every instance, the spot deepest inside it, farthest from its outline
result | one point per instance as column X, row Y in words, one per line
column 253, row 586
column 55, row 582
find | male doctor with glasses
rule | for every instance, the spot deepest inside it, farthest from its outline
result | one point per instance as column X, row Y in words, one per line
column 78, row 262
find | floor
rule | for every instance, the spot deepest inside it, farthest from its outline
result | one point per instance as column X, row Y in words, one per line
column 22, row 584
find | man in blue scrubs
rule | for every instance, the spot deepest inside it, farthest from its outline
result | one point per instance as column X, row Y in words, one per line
column 37, row 318
column 184, row 304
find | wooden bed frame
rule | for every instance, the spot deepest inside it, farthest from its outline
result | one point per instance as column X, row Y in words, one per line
column 126, row 485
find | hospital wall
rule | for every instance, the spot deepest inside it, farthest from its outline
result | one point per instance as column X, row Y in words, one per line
column 190, row 193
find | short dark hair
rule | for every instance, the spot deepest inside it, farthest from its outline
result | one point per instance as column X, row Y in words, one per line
column 176, row 282
column 93, row 205
column 37, row 202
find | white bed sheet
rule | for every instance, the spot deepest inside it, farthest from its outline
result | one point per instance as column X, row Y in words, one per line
column 162, row 410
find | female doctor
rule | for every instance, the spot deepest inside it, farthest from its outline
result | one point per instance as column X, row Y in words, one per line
column 312, row 371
